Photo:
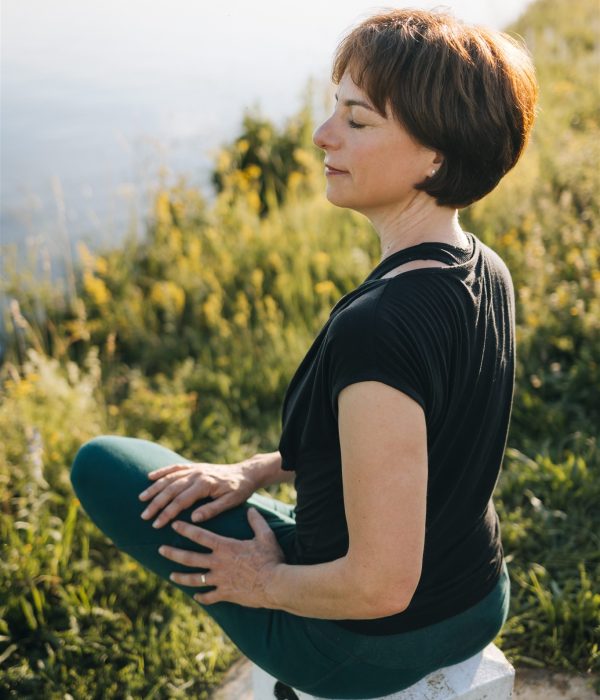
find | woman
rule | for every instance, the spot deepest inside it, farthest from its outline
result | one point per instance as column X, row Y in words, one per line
column 395, row 423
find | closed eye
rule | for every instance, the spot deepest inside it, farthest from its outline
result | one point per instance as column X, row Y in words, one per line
column 354, row 125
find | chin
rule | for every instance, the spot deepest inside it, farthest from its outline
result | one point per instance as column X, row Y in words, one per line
column 339, row 199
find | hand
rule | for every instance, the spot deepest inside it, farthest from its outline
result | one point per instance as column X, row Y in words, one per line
column 240, row 569
column 179, row 486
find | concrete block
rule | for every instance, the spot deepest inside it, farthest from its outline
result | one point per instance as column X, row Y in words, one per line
column 485, row 676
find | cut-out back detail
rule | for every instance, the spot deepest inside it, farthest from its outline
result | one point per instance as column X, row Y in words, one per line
column 413, row 265
column 421, row 255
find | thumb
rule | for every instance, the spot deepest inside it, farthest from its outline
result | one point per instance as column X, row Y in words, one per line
column 258, row 522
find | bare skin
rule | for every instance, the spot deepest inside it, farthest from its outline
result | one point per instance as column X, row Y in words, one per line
column 179, row 486
column 413, row 265
column 241, row 569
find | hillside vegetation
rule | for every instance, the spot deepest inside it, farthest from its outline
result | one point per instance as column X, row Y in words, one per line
column 190, row 336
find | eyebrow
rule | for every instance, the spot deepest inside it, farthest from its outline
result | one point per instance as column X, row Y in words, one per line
column 356, row 103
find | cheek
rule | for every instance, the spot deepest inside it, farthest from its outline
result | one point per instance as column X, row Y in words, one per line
column 384, row 171
column 395, row 168
column 371, row 164
column 385, row 179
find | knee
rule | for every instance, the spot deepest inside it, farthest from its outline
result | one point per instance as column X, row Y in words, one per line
column 86, row 466
column 101, row 475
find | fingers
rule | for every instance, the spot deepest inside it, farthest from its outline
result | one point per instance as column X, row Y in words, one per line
column 200, row 535
column 179, row 494
column 209, row 597
column 187, row 497
column 209, row 510
column 185, row 556
column 258, row 523
column 182, row 501
column 161, row 471
column 188, row 579
column 163, row 481
column 161, row 494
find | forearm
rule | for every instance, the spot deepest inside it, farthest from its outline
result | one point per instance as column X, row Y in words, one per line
column 266, row 469
column 328, row 591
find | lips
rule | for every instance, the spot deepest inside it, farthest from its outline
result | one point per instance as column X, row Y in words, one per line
column 335, row 170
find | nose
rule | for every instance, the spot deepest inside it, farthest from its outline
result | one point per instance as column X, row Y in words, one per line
column 323, row 136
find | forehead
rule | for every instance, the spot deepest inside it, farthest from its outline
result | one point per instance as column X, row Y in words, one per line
column 350, row 89
column 349, row 94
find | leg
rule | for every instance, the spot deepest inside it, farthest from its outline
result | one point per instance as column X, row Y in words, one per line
column 274, row 504
column 109, row 472
column 312, row 655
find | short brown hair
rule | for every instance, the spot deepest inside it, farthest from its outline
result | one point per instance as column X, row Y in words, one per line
column 466, row 91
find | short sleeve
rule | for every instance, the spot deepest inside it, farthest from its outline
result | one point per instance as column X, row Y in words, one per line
column 380, row 338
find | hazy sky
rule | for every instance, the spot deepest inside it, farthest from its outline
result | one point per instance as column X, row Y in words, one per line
column 117, row 43
column 94, row 94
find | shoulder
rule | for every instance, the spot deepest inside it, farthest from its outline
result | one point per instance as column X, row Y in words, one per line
column 357, row 315
column 401, row 305
column 382, row 336
column 497, row 265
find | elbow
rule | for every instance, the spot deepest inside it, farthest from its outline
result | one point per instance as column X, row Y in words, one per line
column 394, row 603
column 389, row 599
column 376, row 605
column 380, row 591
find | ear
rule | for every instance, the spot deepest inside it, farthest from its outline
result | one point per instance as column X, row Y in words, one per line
column 438, row 160
column 435, row 163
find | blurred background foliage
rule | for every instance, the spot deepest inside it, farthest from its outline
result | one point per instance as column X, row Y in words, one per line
column 190, row 336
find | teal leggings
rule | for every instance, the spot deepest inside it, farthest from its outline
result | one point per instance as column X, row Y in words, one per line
column 313, row 655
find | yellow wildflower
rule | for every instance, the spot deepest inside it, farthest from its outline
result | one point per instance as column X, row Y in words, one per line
column 95, row 287
column 101, row 265
column 253, row 200
column 324, row 287
column 253, row 171
column 212, row 309
column 168, row 295
column 223, row 161
column 294, row 180
column 163, row 209
column 257, row 277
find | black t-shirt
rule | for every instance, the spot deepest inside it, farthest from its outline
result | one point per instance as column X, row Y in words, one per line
column 445, row 337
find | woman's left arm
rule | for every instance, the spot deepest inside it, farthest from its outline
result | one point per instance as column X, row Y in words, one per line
column 383, row 438
column 384, row 469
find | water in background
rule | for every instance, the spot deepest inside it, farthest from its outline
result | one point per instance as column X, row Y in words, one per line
column 102, row 101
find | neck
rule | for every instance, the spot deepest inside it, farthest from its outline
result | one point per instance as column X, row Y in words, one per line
column 422, row 221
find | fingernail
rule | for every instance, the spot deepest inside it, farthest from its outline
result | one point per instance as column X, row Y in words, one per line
column 161, row 550
column 145, row 514
column 172, row 577
column 156, row 523
column 142, row 494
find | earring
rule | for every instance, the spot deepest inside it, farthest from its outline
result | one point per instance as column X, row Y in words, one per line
column 433, row 172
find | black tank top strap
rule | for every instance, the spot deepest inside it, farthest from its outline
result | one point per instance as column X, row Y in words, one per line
column 442, row 252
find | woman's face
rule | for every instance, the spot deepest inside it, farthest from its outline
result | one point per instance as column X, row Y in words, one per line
column 380, row 160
